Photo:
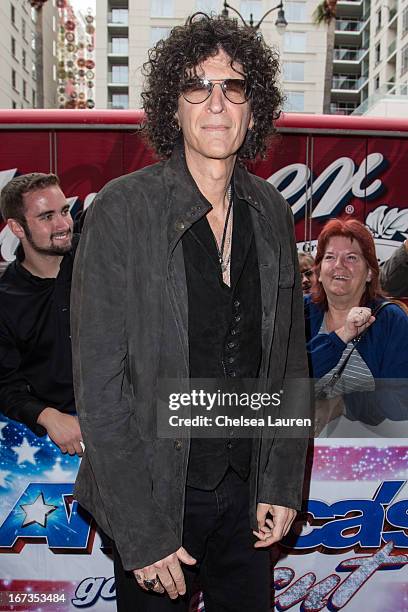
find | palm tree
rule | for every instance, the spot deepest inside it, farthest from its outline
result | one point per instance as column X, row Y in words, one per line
column 39, row 54
column 325, row 13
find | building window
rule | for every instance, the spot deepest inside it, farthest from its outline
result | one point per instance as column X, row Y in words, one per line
column 14, row 79
column 378, row 19
column 404, row 59
column 23, row 29
column 157, row 34
column 54, row 23
column 120, row 46
column 120, row 74
column 54, row 72
column 295, row 11
column 13, row 14
column 294, row 42
column 253, row 7
column 120, row 101
column 208, row 6
column 162, row 8
column 295, row 101
column 13, row 47
column 33, row 99
column 119, row 16
column 33, row 71
column 24, row 58
column 294, row 71
column 24, row 90
column 13, row 104
column 33, row 41
column 33, row 15
column 405, row 21
column 377, row 82
column 377, row 53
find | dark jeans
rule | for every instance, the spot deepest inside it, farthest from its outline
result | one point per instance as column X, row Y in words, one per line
column 233, row 575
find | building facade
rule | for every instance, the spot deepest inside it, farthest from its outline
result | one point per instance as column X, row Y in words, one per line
column 28, row 35
column 127, row 29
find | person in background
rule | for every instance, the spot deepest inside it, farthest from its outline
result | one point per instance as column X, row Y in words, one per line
column 35, row 344
column 394, row 272
column 306, row 263
column 342, row 307
column 192, row 263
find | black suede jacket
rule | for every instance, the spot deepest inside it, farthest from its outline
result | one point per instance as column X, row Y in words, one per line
column 129, row 325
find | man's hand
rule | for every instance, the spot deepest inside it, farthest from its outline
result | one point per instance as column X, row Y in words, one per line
column 169, row 573
column 63, row 429
column 271, row 530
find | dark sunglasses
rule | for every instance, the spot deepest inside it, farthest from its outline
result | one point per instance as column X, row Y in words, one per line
column 199, row 90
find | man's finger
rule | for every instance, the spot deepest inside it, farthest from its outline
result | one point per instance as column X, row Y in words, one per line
column 71, row 449
column 78, row 448
column 167, row 582
column 178, row 577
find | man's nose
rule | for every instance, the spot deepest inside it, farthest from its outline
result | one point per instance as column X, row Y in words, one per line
column 64, row 222
column 216, row 101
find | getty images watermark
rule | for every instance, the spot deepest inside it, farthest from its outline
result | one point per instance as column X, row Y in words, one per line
column 236, row 409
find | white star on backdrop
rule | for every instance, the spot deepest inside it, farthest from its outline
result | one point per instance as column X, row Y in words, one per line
column 3, row 476
column 2, row 426
column 25, row 452
column 57, row 474
column 37, row 512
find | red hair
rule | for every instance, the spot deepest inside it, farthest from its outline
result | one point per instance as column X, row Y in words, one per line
column 354, row 230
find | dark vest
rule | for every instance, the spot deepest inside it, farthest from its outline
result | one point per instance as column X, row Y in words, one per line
column 224, row 333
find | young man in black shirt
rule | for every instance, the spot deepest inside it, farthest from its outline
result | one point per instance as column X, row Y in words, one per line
column 35, row 343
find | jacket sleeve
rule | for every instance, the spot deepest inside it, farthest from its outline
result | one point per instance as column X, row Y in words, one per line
column 16, row 401
column 104, row 401
column 394, row 273
column 324, row 351
column 282, row 481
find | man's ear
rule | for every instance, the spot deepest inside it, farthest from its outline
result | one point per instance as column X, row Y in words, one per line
column 16, row 227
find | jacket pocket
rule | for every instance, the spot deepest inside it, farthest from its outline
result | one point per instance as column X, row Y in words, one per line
column 286, row 276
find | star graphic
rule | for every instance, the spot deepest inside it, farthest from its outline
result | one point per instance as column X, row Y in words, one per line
column 2, row 426
column 25, row 452
column 3, row 476
column 57, row 474
column 37, row 512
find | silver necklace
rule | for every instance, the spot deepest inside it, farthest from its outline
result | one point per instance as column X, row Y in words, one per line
column 225, row 259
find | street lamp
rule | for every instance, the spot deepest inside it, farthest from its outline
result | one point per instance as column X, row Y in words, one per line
column 280, row 22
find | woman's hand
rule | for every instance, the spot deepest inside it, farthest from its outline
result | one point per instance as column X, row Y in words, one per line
column 357, row 320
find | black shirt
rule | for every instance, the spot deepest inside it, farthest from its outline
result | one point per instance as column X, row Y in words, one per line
column 35, row 342
column 224, row 330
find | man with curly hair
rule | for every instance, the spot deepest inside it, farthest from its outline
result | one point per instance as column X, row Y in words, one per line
column 203, row 284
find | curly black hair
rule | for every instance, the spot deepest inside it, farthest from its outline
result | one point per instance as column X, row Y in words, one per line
column 174, row 59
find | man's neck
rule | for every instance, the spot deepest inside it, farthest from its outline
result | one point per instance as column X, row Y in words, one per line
column 43, row 266
column 212, row 178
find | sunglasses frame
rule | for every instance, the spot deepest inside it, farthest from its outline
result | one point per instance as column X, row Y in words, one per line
column 209, row 84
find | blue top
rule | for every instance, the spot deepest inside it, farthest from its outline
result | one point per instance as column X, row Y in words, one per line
column 384, row 348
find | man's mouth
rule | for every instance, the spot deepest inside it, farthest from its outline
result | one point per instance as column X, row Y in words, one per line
column 61, row 236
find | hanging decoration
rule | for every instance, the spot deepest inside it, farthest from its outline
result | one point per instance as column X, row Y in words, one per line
column 76, row 57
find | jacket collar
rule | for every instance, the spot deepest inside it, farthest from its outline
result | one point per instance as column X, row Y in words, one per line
column 186, row 202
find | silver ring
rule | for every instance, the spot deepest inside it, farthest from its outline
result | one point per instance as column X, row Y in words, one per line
column 151, row 584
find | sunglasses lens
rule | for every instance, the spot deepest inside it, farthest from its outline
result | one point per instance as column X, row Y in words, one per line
column 235, row 90
column 196, row 91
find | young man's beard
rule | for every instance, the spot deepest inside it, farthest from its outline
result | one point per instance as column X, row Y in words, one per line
column 55, row 250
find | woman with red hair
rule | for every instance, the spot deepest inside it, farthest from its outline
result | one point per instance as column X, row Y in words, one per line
column 353, row 343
